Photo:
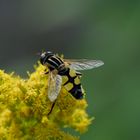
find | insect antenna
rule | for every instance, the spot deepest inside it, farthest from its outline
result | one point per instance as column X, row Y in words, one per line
column 38, row 53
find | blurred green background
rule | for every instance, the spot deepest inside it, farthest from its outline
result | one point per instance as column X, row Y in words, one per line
column 96, row 29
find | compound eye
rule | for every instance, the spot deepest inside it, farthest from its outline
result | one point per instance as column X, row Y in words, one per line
column 42, row 57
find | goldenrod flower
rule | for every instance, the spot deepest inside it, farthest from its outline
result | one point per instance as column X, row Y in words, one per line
column 24, row 108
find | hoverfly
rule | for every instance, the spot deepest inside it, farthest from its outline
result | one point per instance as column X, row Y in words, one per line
column 64, row 72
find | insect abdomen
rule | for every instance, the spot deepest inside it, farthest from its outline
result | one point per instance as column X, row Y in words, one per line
column 71, row 81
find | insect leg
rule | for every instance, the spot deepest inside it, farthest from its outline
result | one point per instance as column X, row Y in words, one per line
column 52, row 108
column 46, row 72
column 79, row 74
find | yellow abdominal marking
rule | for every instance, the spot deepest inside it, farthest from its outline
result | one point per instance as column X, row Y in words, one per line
column 68, row 86
column 77, row 80
column 72, row 73
column 65, row 79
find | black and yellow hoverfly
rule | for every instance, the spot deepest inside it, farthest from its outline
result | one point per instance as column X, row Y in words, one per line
column 64, row 72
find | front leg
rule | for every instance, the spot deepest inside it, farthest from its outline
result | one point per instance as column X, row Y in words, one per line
column 46, row 71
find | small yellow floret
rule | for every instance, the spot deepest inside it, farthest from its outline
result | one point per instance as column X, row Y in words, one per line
column 24, row 108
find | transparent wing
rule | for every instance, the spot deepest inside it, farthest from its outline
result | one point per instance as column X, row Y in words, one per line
column 54, row 86
column 83, row 64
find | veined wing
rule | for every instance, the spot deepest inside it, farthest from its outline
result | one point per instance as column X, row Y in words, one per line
column 83, row 64
column 54, row 86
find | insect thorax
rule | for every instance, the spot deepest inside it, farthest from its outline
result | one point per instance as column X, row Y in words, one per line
column 55, row 62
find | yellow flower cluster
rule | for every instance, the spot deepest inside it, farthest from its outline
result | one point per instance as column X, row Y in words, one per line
column 24, row 108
